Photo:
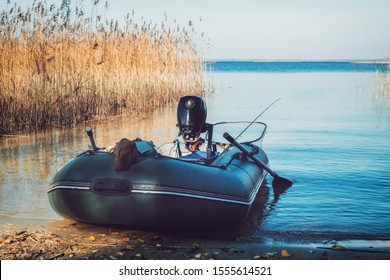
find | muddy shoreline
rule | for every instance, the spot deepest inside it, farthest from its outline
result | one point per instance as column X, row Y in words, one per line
column 69, row 240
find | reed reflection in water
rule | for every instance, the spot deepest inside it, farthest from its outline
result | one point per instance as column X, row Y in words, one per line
column 27, row 162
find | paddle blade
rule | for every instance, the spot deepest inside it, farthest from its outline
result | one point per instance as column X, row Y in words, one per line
column 280, row 184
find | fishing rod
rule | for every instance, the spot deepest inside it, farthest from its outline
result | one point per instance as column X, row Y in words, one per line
column 269, row 106
column 279, row 184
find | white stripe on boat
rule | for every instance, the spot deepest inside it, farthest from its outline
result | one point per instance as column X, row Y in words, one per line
column 157, row 189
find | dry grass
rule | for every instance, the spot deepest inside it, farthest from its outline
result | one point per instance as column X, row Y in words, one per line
column 59, row 66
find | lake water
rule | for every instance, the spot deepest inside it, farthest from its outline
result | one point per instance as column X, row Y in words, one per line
column 329, row 133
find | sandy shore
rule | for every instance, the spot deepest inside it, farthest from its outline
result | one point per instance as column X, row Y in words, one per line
column 71, row 240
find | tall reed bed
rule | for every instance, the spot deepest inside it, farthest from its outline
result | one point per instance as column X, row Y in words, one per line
column 383, row 81
column 67, row 64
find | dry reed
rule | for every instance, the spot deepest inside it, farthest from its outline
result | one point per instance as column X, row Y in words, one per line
column 59, row 66
column 382, row 81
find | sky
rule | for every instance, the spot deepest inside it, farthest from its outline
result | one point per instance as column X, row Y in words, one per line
column 274, row 29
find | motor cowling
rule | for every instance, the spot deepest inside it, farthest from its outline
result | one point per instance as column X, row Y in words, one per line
column 191, row 117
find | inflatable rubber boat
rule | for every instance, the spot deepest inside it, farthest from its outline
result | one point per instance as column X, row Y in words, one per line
column 200, row 189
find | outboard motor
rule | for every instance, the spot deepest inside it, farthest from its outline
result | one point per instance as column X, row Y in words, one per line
column 191, row 118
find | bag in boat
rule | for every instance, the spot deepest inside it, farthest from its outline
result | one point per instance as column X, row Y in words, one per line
column 126, row 154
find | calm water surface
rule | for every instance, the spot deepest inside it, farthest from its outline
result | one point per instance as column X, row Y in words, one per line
column 329, row 133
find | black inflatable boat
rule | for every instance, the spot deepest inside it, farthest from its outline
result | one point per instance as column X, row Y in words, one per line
column 202, row 189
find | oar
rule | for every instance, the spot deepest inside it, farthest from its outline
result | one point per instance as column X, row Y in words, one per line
column 279, row 182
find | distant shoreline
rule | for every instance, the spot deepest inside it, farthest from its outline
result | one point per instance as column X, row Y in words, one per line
column 370, row 61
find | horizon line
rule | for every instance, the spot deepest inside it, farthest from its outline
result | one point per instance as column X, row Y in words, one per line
column 359, row 60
